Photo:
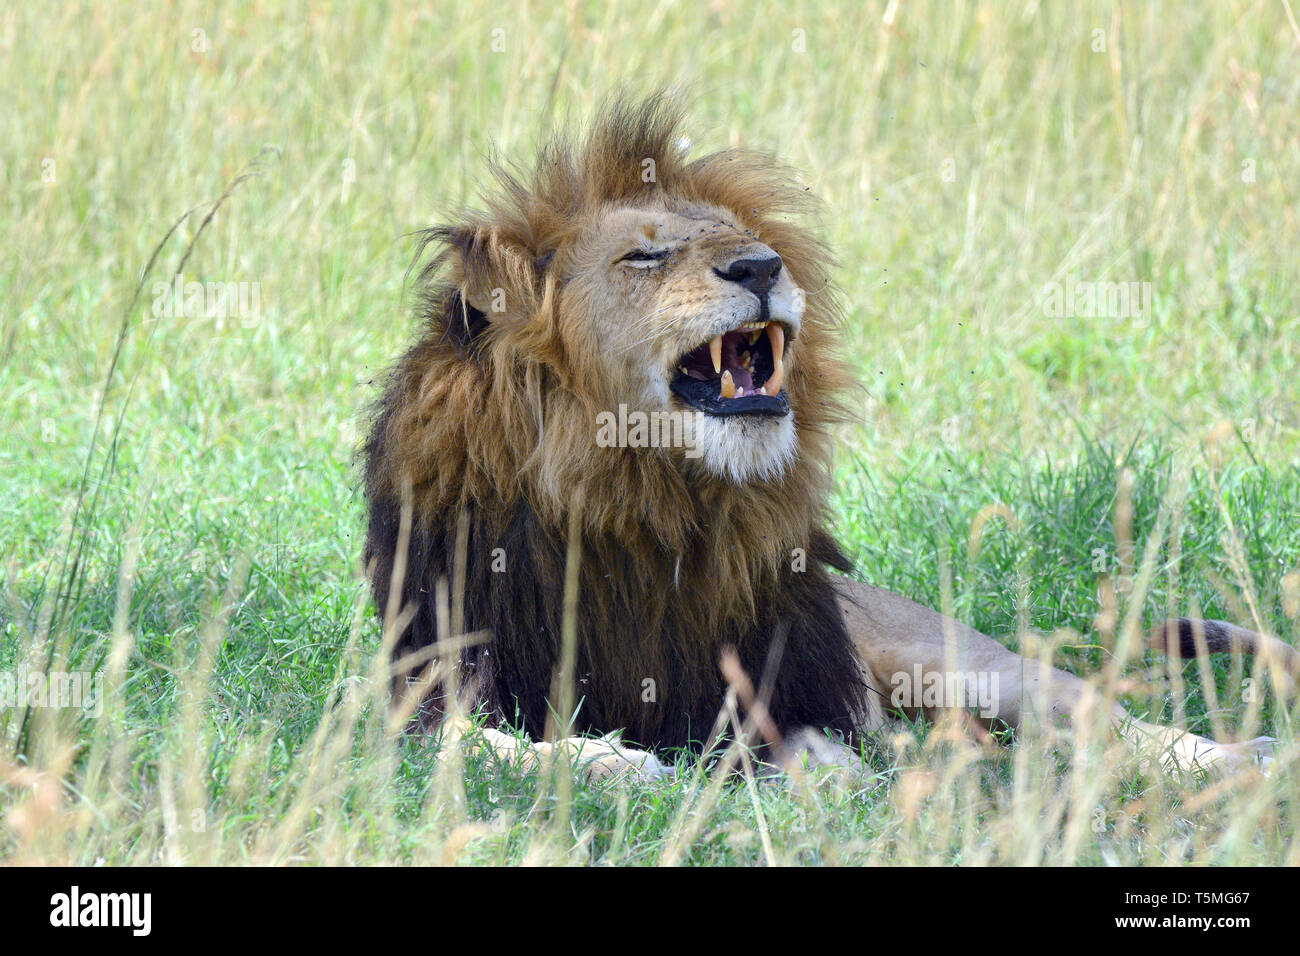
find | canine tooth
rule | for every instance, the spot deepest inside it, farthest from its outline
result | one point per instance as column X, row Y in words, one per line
column 728, row 385
column 773, row 385
column 776, row 333
column 715, row 352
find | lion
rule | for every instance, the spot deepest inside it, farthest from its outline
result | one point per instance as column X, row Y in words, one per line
column 621, row 283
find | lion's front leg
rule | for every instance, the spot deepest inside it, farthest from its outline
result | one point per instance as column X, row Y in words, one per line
column 597, row 759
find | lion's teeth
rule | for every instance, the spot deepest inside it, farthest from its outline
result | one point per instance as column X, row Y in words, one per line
column 776, row 333
column 773, row 385
column 728, row 385
column 753, row 336
column 715, row 352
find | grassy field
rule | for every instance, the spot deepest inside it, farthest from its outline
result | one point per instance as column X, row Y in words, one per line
column 179, row 504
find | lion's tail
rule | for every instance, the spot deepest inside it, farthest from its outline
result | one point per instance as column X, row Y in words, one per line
column 1188, row 638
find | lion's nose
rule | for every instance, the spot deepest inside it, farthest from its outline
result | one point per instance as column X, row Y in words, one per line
column 758, row 275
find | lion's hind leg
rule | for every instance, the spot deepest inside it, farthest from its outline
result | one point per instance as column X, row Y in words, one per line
column 1187, row 638
column 897, row 638
column 1182, row 750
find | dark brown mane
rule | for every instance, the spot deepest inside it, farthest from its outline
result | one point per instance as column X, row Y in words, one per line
column 492, row 417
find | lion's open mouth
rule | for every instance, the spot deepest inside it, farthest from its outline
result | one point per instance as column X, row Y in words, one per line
column 737, row 373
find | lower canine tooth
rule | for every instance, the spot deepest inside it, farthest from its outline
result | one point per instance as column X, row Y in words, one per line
column 773, row 385
column 728, row 385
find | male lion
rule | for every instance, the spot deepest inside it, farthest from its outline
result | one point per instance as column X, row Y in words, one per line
column 619, row 280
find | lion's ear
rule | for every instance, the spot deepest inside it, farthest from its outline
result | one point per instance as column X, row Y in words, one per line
column 497, row 275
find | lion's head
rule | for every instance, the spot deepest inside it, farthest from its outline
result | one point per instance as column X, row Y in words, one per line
column 685, row 309
column 644, row 337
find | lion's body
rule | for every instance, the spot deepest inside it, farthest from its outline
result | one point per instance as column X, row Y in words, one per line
column 589, row 287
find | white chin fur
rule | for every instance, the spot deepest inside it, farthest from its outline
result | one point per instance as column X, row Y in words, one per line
column 744, row 448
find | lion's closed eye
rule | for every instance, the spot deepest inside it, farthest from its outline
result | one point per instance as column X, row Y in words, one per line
column 645, row 258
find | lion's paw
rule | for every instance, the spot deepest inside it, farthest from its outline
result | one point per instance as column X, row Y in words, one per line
column 1191, row 752
column 1249, row 753
column 808, row 748
column 606, row 760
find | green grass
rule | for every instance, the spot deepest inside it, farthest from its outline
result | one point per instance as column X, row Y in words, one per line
column 228, row 502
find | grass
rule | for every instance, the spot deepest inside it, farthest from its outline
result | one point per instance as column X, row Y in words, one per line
column 969, row 156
